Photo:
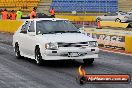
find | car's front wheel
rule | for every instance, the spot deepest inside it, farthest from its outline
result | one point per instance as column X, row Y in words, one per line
column 17, row 51
column 38, row 57
column 88, row 61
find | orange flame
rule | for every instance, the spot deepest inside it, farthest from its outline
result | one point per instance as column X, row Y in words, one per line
column 81, row 71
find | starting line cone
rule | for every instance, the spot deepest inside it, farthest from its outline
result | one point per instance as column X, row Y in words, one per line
column 99, row 25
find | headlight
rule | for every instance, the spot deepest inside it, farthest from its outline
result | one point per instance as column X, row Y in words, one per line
column 51, row 46
column 92, row 44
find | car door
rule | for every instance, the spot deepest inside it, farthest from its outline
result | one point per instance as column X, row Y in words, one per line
column 31, row 39
column 110, row 17
column 106, row 17
column 114, row 16
column 22, row 37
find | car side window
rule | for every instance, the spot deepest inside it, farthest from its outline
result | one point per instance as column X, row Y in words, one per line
column 31, row 27
column 114, row 14
column 111, row 14
column 108, row 14
column 25, row 27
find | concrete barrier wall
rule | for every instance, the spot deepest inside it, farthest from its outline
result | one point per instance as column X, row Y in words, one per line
column 112, row 39
column 9, row 25
column 113, row 24
column 77, row 18
column 12, row 26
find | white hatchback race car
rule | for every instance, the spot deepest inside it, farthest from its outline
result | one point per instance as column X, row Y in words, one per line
column 117, row 17
column 53, row 39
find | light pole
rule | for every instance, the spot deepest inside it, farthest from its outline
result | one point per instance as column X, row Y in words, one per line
column 106, row 5
column 99, row 7
column 84, row 12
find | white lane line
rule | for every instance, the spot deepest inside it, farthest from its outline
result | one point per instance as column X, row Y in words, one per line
column 116, row 52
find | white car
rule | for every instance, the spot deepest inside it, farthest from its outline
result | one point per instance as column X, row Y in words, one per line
column 130, row 13
column 53, row 39
column 117, row 17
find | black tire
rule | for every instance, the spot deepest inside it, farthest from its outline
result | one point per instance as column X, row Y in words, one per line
column 38, row 57
column 117, row 20
column 81, row 80
column 88, row 61
column 17, row 51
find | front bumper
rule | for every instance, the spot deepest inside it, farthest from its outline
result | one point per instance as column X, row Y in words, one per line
column 126, row 20
column 63, row 53
column 129, row 20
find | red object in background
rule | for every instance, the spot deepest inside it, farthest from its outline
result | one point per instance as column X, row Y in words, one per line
column 33, row 14
column 4, row 15
column 52, row 11
column 13, row 16
column 99, row 25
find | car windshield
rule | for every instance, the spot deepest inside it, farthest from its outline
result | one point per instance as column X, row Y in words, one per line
column 59, row 26
column 124, row 13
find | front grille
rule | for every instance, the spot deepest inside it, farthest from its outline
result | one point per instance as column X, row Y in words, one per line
column 79, row 44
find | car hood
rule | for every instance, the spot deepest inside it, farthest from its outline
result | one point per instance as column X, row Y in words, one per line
column 67, row 37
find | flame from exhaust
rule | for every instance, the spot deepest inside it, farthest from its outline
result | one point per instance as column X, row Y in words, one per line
column 81, row 71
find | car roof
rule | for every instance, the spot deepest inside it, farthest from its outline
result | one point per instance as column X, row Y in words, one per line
column 39, row 19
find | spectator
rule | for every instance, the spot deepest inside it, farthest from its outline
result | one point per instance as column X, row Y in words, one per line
column 33, row 13
column 4, row 14
column 52, row 12
column 19, row 14
column 13, row 15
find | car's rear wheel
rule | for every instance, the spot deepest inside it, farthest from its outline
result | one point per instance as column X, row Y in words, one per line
column 88, row 61
column 38, row 57
column 117, row 20
column 17, row 51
